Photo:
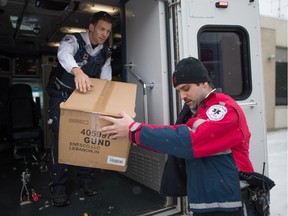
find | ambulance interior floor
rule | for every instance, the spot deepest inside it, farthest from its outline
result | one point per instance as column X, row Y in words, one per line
column 117, row 194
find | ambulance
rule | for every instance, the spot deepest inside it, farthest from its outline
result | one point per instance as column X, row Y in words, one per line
column 155, row 35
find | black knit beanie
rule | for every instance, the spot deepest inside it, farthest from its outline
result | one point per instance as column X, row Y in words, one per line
column 190, row 70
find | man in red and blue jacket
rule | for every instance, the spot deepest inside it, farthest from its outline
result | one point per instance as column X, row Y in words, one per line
column 214, row 143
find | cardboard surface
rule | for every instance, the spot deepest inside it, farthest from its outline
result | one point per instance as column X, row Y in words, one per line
column 80, row 142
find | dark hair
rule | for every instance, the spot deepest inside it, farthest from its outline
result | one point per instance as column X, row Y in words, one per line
column 102, row 15
column 209, row 83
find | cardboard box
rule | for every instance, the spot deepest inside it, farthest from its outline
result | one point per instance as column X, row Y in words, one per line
column 80, row 142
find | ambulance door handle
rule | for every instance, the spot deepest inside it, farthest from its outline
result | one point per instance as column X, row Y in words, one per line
column 128, row 67
column 252, row 104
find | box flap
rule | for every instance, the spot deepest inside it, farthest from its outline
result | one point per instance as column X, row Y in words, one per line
column 106, row 97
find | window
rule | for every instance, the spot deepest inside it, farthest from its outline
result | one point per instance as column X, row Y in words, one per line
column 26, row 67
column 281, row 83
column 224, row 52
column 5, row 65
column 281, row 76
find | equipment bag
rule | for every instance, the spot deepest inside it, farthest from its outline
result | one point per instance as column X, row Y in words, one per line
column 259, row 191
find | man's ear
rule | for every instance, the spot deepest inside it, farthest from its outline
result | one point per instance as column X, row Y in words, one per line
column 205, row 84
column 91, row 27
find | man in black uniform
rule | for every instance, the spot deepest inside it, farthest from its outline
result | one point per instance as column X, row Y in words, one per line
column 81, row 56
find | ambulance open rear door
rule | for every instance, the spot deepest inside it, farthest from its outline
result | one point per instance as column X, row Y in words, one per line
column 225, row 36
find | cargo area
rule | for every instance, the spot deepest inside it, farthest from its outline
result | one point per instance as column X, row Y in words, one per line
column 134, row 191
column 117, row 194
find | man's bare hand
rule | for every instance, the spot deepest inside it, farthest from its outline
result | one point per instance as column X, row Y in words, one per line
column 120, row 127
column 82, row 81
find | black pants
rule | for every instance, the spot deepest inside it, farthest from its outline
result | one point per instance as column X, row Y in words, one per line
column 58, row 172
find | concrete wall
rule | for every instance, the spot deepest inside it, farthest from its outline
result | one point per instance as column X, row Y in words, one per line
column 268, row 51
column 273, row 35
column 280, row 27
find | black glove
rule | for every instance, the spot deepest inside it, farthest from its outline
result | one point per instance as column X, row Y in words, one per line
column 257, row 180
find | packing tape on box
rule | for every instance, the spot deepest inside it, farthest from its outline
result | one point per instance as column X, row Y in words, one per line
column 100, row 105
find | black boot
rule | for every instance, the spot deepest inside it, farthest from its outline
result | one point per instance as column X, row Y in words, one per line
column 88, row 189
column 59, row 196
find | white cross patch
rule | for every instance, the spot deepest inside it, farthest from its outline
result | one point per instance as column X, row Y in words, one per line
column 216, row 112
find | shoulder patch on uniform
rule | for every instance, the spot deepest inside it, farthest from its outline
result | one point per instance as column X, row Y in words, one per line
column 216, row 112
column 69, row 39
